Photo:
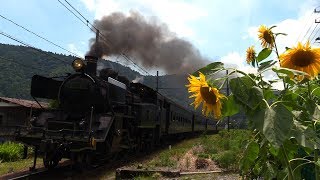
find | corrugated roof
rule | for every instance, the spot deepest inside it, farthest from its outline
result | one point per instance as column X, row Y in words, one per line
column 24, row 103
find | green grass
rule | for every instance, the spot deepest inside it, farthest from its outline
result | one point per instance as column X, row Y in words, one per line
column 9, row 167
column 170, row 157
column 209, row 176
column 218, row 146
column 226, row 148
column 10, row 151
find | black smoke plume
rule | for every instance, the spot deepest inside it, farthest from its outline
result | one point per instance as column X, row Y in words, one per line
column 148, row 41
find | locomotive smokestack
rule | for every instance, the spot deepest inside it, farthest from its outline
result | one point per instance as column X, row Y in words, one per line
column 91, row 65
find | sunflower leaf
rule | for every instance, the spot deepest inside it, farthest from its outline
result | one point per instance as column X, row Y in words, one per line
column 266, row 65
column 272, row 27
column 251, row 153
column 275, row 123
column 210, row 68
column 229, row 107
column 287, row 72
column 246, row 92
column 263, row 54
column 284, row 34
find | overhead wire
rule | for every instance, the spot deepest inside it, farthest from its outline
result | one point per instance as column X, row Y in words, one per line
column 307, row 32
column 308, row 19
column 86, row 22
column 313, row 32
column 43, row 38
column 313, row 39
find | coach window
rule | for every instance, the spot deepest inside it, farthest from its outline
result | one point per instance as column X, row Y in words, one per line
column 1, row 117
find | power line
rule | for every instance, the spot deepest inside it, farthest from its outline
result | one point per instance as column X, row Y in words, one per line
column 129, row 59
column 307, row 32
column 86, row 22
column 23, row 43
column 305, row 27
column 317, row 22
column 313, row 31
column 37, row 35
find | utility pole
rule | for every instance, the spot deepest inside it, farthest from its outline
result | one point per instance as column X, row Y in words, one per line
column 227, row 72
column 97, row 35
column 317, row 21
column 157, row 85
column 97, row 45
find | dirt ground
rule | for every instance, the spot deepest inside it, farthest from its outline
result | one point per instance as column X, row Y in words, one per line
column 190, row 162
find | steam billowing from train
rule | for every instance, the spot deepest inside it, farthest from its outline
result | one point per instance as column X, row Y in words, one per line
column 148, row 41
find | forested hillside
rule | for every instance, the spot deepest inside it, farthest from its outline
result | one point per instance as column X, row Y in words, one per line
column 19, row 63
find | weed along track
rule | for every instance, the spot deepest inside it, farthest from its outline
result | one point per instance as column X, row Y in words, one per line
column 205, row 156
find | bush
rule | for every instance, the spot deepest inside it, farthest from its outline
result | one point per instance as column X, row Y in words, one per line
column 226, row 159
column 10, row 151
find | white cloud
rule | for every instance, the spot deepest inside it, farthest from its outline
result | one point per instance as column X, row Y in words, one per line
column 72, row 47
column 90, row 4
column 235, row 60
column 176, row 14
column 299, row 29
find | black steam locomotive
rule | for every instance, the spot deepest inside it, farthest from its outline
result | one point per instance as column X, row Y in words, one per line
column 98, row 115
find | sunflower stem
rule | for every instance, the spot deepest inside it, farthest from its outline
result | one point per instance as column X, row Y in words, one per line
column 315, row 164
column 277, row 52
column 309, row 90
column 290, row 172
column 259, row 74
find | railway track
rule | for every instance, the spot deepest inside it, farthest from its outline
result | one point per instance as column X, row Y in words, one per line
column 67, row 170
column 38, row 172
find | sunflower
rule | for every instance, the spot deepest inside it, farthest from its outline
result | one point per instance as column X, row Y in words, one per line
column 203, row 93
column 266, row 36
column 251, row 54
column 302, row 58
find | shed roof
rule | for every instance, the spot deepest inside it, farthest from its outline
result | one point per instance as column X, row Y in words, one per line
column 24, row 103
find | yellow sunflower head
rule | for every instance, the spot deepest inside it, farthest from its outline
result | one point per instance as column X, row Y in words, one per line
column 302, row 58
column 266, row 36
column 204, row 94
column 251, row 54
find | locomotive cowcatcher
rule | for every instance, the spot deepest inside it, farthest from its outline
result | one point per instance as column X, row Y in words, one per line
column 99, row 115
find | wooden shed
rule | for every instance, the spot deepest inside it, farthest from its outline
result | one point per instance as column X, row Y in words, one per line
column 15, row 112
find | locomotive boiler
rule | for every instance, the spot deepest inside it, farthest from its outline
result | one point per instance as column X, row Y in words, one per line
column 99, row 115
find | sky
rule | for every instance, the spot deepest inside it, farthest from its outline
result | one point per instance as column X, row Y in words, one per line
column 222, row 30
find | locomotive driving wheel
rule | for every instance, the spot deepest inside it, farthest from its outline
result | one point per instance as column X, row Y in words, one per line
column 50, row 160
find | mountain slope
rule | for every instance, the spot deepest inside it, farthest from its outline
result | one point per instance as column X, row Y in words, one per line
column 19, row 63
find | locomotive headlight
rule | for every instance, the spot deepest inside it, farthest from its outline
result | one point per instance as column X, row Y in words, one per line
column 78, row 64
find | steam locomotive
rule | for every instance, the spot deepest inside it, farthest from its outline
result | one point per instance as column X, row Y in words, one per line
column 99, row 115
